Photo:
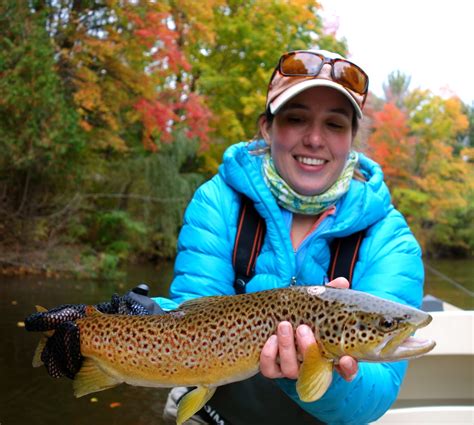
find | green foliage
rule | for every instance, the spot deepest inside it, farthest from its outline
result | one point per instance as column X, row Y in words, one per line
column 38, row 126
column 396, row 88
column 43, row 147
column 136, row 204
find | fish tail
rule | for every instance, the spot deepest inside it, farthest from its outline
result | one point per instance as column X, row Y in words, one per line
column 37, row 362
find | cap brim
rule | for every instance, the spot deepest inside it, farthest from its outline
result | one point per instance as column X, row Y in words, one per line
column 292, row 91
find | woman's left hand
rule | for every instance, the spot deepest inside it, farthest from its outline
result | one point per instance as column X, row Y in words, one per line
column 281, row 355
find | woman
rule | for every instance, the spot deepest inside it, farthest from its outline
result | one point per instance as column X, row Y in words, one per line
column 310, row 187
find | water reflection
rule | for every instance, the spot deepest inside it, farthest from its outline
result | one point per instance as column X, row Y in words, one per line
column 30, row 396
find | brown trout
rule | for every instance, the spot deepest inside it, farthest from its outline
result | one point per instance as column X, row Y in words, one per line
column 212, row 341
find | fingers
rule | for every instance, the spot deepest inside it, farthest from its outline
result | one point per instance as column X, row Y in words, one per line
column 269, row 366
column 281, row 356
column 304, row 338
column 347, row 368
column 339, row 282
column 287, row 350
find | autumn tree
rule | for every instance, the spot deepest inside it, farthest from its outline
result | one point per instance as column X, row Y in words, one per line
column 41, row 143
column 442, row 181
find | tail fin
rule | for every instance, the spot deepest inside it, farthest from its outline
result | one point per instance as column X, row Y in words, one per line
column 37, row 362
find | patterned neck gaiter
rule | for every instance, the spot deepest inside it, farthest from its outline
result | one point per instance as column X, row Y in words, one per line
column 311, row 205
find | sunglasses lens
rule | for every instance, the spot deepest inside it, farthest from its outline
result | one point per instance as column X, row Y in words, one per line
column 350, row 76
column 301, row 64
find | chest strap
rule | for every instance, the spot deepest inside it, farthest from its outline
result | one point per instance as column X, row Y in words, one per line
column 249, row 239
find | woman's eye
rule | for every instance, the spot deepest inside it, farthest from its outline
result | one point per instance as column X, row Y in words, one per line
column 336, row 125
column 294, row 119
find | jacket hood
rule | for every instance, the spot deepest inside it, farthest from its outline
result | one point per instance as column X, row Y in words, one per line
column 364, row 204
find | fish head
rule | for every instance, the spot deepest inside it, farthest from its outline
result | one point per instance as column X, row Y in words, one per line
column 370, row 328
column 382, row 331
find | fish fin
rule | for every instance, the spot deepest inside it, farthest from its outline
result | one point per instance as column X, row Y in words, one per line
column 91, row 379
column 198, row 302
column 315, row 375
column 37, row 362
column 40, row 309
column 193, row 402
column 90, row 310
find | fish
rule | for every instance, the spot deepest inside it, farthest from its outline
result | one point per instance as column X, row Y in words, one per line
column 212, row 341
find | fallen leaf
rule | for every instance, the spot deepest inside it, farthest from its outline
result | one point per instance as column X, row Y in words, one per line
column 115, row 404
column 20, row 324
column 14, row 302
column 94, row 400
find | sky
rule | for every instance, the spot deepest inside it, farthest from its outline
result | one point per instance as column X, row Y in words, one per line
column 430, row 40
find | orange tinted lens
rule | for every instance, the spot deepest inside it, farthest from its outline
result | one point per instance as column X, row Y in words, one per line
column 350, row 76
column 301, row 64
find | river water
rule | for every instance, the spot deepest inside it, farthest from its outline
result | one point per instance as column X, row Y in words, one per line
column 30, row 397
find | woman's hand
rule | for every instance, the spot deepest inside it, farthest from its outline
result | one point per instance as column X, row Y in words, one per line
column 281, row 355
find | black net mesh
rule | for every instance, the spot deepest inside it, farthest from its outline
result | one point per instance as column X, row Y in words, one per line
column 51, row 319
column 62, row 354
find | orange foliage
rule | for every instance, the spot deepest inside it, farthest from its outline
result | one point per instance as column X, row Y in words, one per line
column 390, row 144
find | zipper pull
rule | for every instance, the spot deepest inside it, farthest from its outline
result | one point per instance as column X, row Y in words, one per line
column 293, row 281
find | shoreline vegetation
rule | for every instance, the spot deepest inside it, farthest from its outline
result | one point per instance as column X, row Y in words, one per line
column 111, row 115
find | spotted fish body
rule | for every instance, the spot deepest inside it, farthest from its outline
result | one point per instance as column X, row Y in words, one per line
column 212, row 341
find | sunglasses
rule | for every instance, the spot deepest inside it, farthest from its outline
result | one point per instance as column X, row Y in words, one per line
column 309, row 64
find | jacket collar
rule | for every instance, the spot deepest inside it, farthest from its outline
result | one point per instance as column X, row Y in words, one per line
column 363, row 205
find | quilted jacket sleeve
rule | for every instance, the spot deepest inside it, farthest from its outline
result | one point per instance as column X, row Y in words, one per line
column 203, row 265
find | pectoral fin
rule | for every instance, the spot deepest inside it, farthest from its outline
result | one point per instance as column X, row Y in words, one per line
column 315, row 375
column 193, row 402
column 91, row 379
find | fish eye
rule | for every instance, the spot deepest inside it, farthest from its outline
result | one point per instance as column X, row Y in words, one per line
column 387, row 324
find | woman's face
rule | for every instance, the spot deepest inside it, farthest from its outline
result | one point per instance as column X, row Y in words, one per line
column 310, row 139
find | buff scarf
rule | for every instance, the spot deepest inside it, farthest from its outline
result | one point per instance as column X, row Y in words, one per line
column 312, row 205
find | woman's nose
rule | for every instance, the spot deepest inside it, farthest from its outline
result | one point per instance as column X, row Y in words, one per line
column 313, row 136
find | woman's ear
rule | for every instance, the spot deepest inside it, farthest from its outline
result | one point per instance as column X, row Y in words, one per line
column 264, row 127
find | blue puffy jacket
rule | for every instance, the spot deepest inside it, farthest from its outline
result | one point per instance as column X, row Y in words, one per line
column 389, row 266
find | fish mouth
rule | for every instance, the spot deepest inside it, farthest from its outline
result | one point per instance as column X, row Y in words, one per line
column 410, row 348
column 405, row 346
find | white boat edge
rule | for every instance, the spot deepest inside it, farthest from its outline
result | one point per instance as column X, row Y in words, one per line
column 429, row 415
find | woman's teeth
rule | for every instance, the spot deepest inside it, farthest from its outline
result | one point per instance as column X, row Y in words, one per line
column 310, row 161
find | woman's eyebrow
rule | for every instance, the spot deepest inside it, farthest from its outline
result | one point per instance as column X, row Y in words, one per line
column 342, row 111
column 294, row 106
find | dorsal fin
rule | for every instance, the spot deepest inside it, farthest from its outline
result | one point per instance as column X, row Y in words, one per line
column 40, row 309
column 201, row 302
column 92, row 311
